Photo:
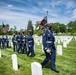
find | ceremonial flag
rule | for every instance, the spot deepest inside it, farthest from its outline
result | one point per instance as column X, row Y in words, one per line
column 43, row 22
column 4, row 29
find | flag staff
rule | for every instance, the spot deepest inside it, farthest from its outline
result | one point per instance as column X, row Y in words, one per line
column 47, row 16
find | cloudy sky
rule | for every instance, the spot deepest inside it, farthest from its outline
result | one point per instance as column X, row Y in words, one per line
column 19, row 12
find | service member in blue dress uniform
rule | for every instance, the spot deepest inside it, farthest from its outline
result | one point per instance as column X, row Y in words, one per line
column 30, row 44
column 18, row 39
column 49, row 48
column 22, row 42
column 25, row 47
column 14, row 42
column 7, row 42
column 3, row 41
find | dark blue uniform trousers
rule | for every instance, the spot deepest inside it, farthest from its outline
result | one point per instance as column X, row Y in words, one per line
column 15, row 47
column 30, row 50
column 51, row 57
column 18, row 46
column 22, row 48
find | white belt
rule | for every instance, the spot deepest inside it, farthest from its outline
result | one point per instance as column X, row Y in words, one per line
column 48, row 41
column 23, row 40
column 30, row 41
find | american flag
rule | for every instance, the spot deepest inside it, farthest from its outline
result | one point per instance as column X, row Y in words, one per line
column 43, row 22
column 4, row 28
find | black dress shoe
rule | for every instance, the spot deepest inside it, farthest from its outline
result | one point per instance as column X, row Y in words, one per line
column 56, row 71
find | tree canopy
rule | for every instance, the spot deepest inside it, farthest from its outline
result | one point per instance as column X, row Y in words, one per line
column 56, row 27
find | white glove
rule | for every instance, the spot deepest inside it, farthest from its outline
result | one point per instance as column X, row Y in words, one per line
column 29, row 45
column 48, row 50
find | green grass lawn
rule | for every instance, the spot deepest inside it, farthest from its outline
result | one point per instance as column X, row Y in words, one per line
column 65, row 63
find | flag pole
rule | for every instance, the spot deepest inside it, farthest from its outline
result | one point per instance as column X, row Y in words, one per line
column 2, row 27
column 47, row 16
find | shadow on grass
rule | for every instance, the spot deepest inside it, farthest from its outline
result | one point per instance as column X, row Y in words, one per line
column 48, row 65
column 18, row 66
column 31, row 55
column 1, row 55
column 42, row 55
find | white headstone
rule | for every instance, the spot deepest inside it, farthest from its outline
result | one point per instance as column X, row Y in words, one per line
column 75, row 38
column 58, row 41
column 59, row 49
column 36, row 68
column 10, row 42
column 64, row 44
column 14, row 62
column 0, row 52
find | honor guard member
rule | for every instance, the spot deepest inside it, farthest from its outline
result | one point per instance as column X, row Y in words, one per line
column 49, row 48
column 22, row 42
column 14, row 43
column 18, row 42
column 25, row 47
column 0, row 41
column 7, row 42
column 30, row 44
column 3, row 42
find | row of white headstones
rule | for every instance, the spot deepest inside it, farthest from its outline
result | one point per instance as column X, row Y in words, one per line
column 36, row 67
column 58, row 39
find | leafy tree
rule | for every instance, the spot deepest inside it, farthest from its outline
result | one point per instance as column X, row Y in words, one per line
column 62, row 28
column 0, row 29
column 15, row 29
column 11, row 31
column 25, row 31
column 55, row 27
column 37, row 24
column 71, row 26
column 30, row 27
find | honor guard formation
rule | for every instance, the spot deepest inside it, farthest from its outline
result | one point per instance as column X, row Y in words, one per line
column 23, row 43
column 4, row 42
